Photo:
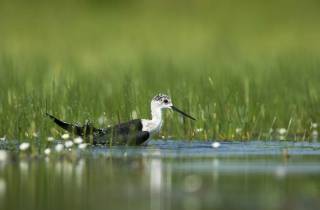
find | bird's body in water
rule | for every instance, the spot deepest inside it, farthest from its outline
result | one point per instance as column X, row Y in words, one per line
column 133, row 132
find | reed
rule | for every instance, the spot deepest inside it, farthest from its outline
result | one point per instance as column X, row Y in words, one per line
column 245, row 76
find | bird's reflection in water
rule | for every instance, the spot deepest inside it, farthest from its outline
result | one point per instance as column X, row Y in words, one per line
column 155, row 173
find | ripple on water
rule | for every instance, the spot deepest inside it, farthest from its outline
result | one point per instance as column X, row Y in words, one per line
column 274, row 157
column 174, row 148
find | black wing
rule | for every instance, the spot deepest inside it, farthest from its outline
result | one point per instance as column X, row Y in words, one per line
column 128, row 133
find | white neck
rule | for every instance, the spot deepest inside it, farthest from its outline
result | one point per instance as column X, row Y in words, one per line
column 153, row 125
column 156, row 113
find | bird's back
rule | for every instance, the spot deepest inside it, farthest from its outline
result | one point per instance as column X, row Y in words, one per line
column 128, row 133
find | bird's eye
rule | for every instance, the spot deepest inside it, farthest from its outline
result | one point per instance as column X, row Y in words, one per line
column 165, row 101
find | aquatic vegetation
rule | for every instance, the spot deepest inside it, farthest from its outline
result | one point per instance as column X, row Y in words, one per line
column 241, row 77
column 50, row 139
column 82, row 146
column 47, row 151
column 215, row 144
column 78, row 140
column 3, row 156
column 59, row 147
column 65, row 136
column 24, row 146
column 68, row 144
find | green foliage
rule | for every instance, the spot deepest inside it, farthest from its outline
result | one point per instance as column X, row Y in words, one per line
column 242, row 69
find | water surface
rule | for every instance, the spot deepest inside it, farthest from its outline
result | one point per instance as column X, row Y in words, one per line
column 166, row 175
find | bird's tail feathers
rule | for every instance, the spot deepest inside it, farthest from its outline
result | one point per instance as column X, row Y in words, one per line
column 82, row 131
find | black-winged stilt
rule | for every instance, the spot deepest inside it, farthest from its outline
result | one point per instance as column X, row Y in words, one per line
column 133, row 132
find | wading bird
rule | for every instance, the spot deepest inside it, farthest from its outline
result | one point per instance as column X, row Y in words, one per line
column 133, row 132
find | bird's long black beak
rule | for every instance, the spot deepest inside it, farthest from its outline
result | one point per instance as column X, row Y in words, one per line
column 181, row 112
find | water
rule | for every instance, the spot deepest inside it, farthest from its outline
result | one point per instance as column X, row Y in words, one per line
column 166, row 175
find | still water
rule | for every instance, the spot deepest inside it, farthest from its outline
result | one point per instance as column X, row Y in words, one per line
column 166, row 175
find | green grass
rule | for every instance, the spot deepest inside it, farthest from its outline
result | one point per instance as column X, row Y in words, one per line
column 248, row 65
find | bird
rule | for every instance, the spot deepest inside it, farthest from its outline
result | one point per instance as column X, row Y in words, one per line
column 134, row 132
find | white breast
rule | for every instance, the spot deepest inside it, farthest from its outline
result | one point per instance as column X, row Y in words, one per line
column 151, row 126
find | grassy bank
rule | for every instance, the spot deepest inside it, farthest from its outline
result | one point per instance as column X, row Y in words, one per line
column 244, row 69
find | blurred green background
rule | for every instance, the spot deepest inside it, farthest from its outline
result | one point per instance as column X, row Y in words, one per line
column 243, row 68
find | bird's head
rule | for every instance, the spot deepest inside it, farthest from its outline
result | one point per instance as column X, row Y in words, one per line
column 162, row 101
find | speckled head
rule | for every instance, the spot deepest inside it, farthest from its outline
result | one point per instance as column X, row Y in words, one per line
column 162, row 101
